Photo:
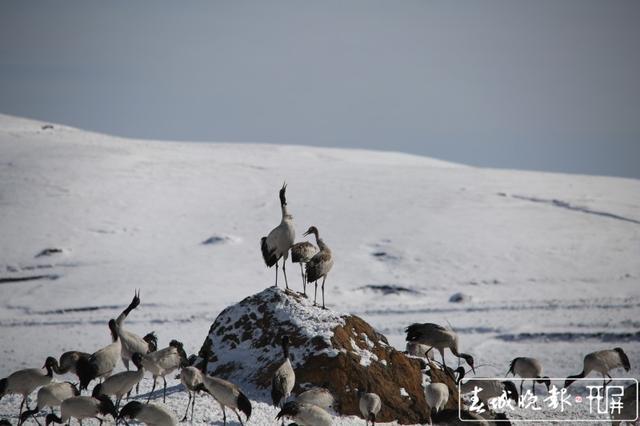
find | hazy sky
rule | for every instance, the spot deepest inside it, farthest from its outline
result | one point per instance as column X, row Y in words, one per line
column 536, row 84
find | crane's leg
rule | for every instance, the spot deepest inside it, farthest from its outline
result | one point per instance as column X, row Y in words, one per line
column 315, row 293
column 276, row 273
column 224, row 415
column 239, row 419
column 533, row 387
column 152, row 388
column 323, row 280
column 164, row 390
column 521, row 385
column 284, row 271
column 444, row 364
column 21, row 405
column 187, row 410
column 304, row 283
column 193, row 405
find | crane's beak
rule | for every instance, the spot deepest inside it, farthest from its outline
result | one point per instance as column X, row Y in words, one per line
column 305, row 234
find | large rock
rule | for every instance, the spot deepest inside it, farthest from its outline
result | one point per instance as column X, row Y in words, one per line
column 338, row 351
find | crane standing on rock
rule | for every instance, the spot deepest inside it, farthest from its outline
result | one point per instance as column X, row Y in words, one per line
column 302, row 253
column 320, row 264
column 437, row 337
column 276, row 245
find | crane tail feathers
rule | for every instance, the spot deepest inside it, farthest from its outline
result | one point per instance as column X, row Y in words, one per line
column 268, row 255
column 244, row 405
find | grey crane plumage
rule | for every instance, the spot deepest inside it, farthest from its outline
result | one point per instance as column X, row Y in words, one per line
column 370, row 405
column 277, row 243
column 436, row 395
column 191, row 379
column 51, row 395
column 317, row 396
column 121, row 384
column 23, row 382
column 320, row 264
column 529, row 368
column 149, row 414
column 228, row 395
column 284, row 378
column 437, row 337
column 302, row 253
column 84, row 407
column 601, row 362
column 305, row 414
column 163, row 362
column 102, row 362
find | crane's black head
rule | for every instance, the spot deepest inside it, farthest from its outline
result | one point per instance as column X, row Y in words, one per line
column 459, row 372
column 50, row 363
column 512, row 390
column 106, row 406
column 137, row 360
column 291, row 408
column 623, row 358
column 283, row 199
column 76, row 391
column 180, row 347
column 97, row 391
column 152, row 341
column 131, row 410
column 546, row 380
column 469, row 360
column 311, row 230
column 113, row 328
column 135, row 302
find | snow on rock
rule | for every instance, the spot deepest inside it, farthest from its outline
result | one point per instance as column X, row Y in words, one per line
column 338, row 351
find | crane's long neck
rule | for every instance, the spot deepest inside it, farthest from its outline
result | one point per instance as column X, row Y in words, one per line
column 321, row 245
column 285, row 213
column 49, row 370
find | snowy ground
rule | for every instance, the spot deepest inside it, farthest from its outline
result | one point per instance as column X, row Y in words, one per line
column 550, row 262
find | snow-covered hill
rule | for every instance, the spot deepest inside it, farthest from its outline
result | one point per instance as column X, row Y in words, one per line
column 548, row 262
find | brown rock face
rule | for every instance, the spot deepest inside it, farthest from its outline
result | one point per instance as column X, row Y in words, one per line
column 336, row 351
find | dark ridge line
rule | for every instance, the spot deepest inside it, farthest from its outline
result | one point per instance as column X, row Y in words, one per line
column 565, row 205
column 9, row 280
column 549, row 306
column 570, row 336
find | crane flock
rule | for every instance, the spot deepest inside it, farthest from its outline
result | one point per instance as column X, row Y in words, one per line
column 310, row 407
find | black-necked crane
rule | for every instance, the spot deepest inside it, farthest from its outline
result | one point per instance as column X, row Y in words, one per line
column 191, row 379
column 370, row 405
column 51, row 395
column 68, row 362
column 601, row 362
column 317, row 396
column 228, row 395
column 121, row 384
column 163, row 362
column 102, row 362
column 302, row 253
column 131, row 342
column 284, row 378
column 305, row 414
column 84, row 407
column 149, row 414
column 437, row 337
column 23, row 382
column 436, row 395
column 529, row 368
column 276, row 245
column 320, row 264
